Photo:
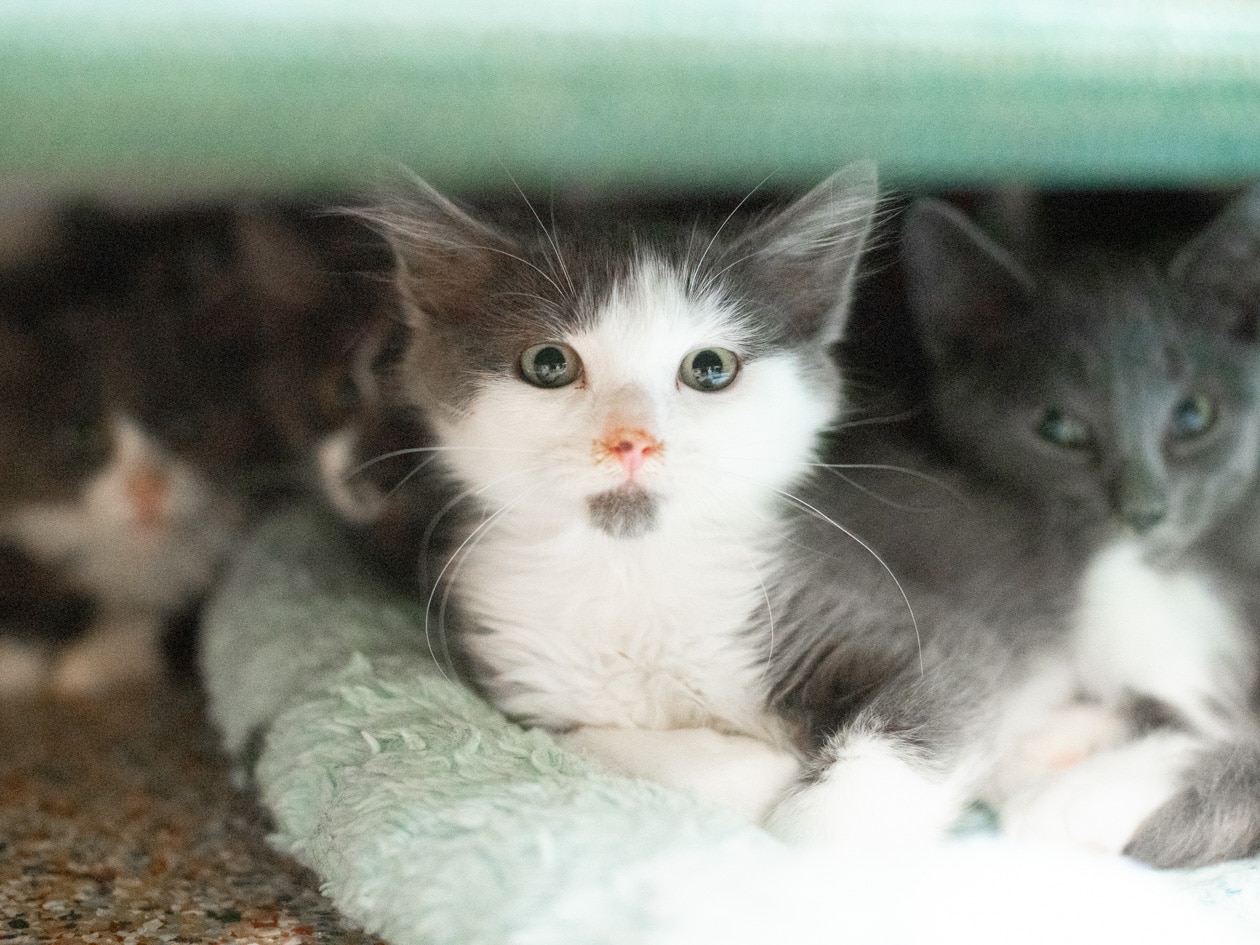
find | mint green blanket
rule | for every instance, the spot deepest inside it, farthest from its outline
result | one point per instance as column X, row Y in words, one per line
column 167, row 95
column 431, row 819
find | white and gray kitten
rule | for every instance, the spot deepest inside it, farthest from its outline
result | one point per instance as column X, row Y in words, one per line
column 105, row 512
column 145, row 420
column 640, row 553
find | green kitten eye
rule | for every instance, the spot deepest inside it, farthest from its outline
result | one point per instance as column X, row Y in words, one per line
column 551, row 365
column 1193, row 417
column 1062, row 429
column 709, row 369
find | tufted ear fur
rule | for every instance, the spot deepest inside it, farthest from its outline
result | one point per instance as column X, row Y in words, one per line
column 446, row 260
column 965, row 291
column 1221, row 268
column 807, row 254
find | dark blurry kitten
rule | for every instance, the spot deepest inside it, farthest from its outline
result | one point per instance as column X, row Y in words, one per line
column 1116, row 400
column 39, row 613
column 87, row 493
column 186, row 402
column 243, row 368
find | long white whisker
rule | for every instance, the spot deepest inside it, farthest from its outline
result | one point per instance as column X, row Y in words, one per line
column 913, row 473
column 872, row 493
column 436, row 519
column 765, row 594
column 555, row 248
column 718, row 232
column 503, row 252
column 461, row 554
column 907, row 414
column 412, row 450
column 822, row 516
column 414, row 471
column 428, row 535
column 415, row 450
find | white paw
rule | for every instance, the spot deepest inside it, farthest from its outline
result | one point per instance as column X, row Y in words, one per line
column 744, row 775
column 1099, row 804
column 114, row 652
column 24, row 668
column 1062, row 740
column 873, row 796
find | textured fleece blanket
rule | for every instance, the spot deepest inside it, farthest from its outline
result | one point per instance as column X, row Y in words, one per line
column 432, row 819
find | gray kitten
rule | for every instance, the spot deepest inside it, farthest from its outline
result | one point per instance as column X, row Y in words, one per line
column 1114, row 402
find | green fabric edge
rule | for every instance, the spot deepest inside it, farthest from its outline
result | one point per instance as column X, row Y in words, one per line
column 137, row 96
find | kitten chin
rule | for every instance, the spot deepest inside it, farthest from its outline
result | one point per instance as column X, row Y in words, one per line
column 625, row 512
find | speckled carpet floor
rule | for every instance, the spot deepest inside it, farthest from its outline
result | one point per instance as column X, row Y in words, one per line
column 119, row 823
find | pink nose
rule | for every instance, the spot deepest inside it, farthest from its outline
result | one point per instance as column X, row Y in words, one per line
column 147, row 489
column 631, row 447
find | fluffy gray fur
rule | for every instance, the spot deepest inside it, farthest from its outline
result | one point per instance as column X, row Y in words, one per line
column 1120, row 343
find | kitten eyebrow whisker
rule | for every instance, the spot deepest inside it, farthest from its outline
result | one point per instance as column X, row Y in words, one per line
column 520, row 259
column 842, row 225
column 549, row 304
column 695, row 271
column 555, row 248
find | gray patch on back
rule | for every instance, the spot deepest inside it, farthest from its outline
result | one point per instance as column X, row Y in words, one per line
column 623, row 513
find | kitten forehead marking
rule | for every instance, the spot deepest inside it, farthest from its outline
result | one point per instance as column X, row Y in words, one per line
column 649, row 321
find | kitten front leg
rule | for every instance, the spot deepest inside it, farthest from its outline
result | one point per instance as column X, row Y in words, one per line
column 24, row 667
column 743, row 774
column 1101, row 803
column 866, row 789
column 1065, row 737
column 121, row 647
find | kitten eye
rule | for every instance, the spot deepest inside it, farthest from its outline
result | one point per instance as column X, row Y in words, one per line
column 1063, row 429
column 551, row 365
column 709, row 369
column 1193, row 416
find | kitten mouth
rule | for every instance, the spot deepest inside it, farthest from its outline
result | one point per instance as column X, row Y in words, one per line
column 628, row 511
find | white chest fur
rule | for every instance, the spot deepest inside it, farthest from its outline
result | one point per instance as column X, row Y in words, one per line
column 585, row 629
column 1166, row 635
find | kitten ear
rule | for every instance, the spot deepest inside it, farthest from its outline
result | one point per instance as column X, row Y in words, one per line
column 964, row 290
column 807, row 254
column 444, row 256
column 1223, row 262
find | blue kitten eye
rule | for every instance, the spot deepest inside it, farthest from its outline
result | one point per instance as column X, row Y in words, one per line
column 551, row 365
column 709, row 369
column 1062, row 429
column 1192, row 417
